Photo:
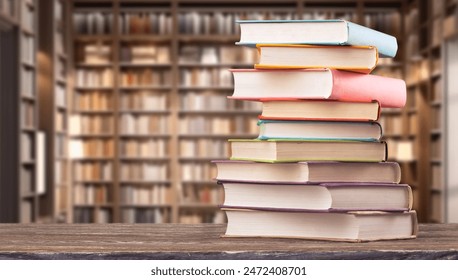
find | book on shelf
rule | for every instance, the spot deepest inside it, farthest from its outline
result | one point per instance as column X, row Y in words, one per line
column 318, row 83
column 79, row 148
column 144, row 171
column 103, row 215
column 93, row 100
column 144, row 148
column 319, row 130
column 27, row 146
column 145, row 215
column 92, row 194
column 146, row 195
column 159, row 23
column 28, row 49
column 83, row 124
column 94, row 54
column 354, row 226
column 27, row 83
column 92, row 23
column 94, row 78
column 308, row 172
column 144, row 54
column 318, row 197
column 195, row 23
column 92, row 171
column 41, row 162
column 27, row 180
column 203, row 195
column 197, row 172
column 449, row 26
column 322, row 110
column 280, row 150
column 362, row 59
column 26, row 211
column 317, row 32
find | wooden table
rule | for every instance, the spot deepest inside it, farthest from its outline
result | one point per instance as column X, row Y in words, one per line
column 171, row 241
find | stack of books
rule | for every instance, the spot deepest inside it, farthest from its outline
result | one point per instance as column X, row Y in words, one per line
column 318, row 169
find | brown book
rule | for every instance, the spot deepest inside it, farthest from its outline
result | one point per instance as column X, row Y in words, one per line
column 136, row 24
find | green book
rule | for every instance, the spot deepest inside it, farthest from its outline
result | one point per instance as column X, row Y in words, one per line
column 275, row 150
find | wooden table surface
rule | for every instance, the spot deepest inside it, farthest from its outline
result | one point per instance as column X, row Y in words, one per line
column 172, row 241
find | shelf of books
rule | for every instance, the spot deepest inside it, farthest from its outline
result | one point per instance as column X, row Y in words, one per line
column 206, row 51
column 30, row 139
column 9, row 10
column 442, row 26
column 54, row 121
column 145, row 114
column 436, row 15
column 149, row 107
column 427, row 25
column 92, row 132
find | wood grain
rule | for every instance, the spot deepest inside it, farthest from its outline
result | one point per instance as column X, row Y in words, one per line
column 173, row 241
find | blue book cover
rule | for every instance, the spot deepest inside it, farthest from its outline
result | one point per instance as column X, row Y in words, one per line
column 319, row 130
column 316, row 32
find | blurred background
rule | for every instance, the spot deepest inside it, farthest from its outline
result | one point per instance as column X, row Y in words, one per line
column 111, row 110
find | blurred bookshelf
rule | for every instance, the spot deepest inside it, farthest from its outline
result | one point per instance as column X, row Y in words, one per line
column 22, row 152
column 149, row 109
column 131, row 95
column 428, row 25
column 54, row 116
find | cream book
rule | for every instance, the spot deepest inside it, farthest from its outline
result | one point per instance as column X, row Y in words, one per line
column 308, row 172
column 322, row 110
column 335, row 226
column 322, row 196
column 362, row 59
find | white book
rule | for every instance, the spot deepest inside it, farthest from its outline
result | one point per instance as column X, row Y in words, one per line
column 75, row 125
column 41, row 162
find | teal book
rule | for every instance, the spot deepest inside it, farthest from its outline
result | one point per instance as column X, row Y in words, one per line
column 315, row 32
column 319, row 130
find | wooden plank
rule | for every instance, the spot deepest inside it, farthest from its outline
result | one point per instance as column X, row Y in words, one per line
column 172, row 241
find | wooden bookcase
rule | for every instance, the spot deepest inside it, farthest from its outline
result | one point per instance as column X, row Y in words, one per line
column 22, row 144
column 151, row 78
column 450, row 107
column 52, row 87
column 428, row 25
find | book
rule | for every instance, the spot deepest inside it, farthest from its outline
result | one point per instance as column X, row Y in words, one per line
column 345, row 226
column 320, row 83
column 319, row 110
column 308, row 172
column 317, row 32
column 40, row 148
column 362, row 59
column 323, row 196
column 318, row 130
column 276, row 150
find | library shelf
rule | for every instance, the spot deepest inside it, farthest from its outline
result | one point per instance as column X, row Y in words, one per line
column 410, row 18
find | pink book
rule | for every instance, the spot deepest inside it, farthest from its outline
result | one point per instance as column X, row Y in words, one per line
column 319, row 83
